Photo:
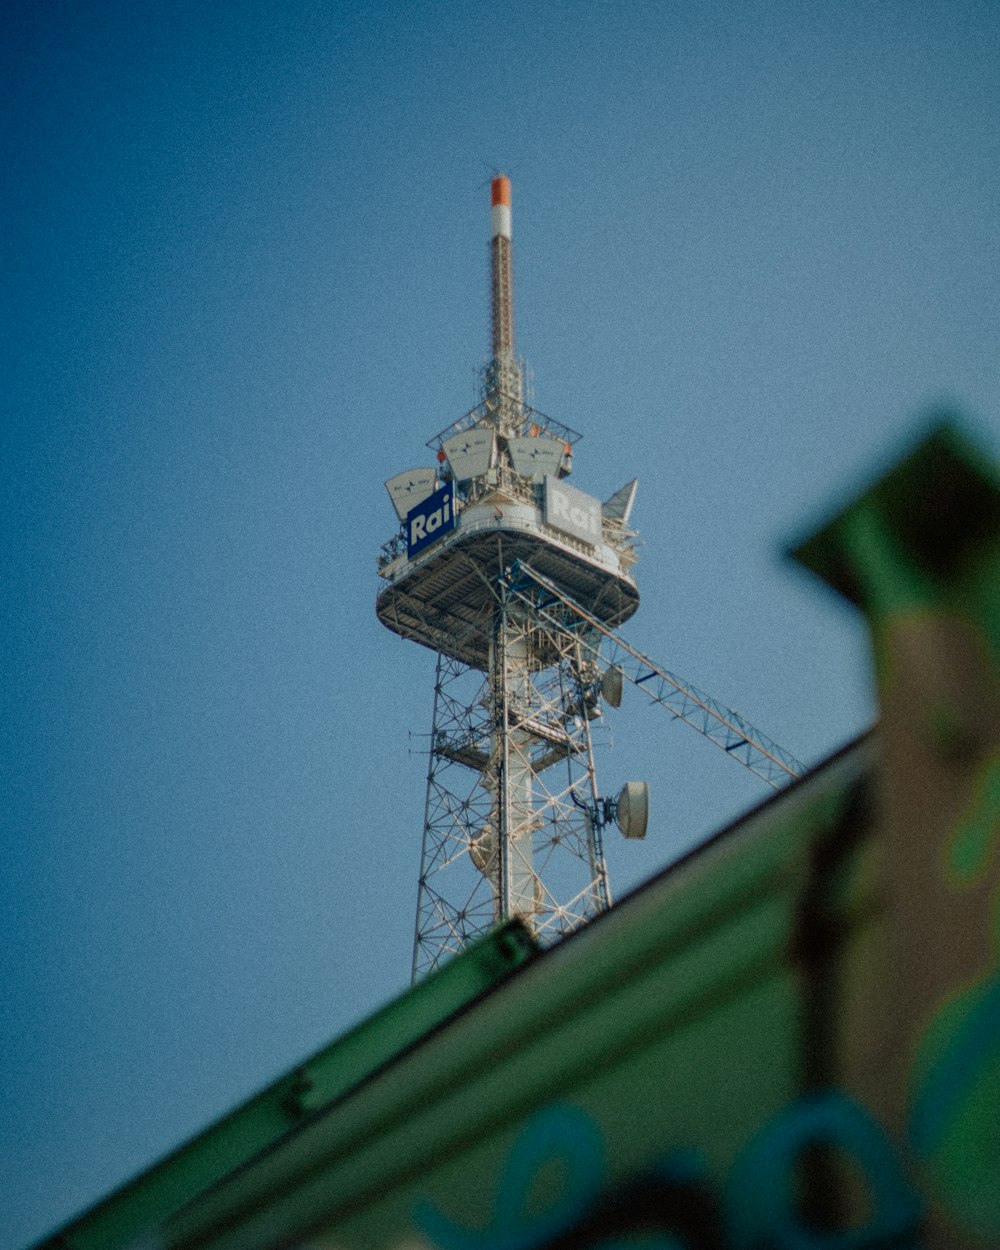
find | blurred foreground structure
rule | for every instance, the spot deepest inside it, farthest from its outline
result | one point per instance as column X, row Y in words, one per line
column 790, row 1038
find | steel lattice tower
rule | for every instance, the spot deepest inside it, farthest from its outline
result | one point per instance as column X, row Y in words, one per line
column 518, row 581
column 510, row 826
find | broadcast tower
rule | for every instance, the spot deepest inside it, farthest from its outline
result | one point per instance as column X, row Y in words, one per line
column 517, row 581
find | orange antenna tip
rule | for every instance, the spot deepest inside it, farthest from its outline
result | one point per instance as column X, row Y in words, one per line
column 500, row 206
column 500, row 191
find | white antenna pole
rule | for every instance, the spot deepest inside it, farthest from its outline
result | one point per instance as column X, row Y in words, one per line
column 501, row 269
column 503, row 386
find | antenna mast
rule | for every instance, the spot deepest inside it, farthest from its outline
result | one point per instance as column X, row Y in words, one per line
column 502, row 381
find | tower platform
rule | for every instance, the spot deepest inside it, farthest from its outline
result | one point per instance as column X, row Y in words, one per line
column 444, row 596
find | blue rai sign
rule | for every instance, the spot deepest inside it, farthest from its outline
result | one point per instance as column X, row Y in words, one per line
column 430, row 520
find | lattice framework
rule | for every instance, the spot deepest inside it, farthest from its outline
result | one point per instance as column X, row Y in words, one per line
column 510, row 781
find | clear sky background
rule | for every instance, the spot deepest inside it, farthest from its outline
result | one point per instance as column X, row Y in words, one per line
column 245, row 256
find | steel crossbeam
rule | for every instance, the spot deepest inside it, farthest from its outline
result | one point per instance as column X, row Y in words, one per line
column 721, row 725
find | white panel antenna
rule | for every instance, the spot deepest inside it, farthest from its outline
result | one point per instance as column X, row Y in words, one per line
column 611, row 685
column 619, row 506
column 408, row 489
column 471, row 453
column 534, row 457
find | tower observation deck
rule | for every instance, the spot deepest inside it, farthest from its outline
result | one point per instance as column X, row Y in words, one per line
column 511, row 791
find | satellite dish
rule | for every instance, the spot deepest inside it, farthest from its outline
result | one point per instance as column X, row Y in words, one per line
column 611, row 686
column 483, row 851
column 632, row 809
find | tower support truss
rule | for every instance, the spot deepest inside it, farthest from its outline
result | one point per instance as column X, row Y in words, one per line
column 728, row 729
column 510, row 787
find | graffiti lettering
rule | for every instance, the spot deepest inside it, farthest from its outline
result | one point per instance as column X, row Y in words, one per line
column 757, row 1205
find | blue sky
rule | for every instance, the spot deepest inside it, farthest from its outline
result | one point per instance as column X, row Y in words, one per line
column 246, row 278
